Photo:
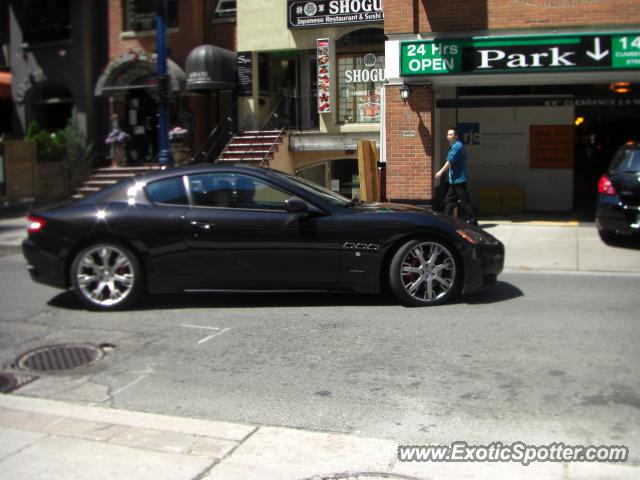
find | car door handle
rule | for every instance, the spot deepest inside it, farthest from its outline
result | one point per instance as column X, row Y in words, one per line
column 202, row 225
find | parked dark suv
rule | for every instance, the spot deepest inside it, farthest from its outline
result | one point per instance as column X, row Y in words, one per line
column 618, row 210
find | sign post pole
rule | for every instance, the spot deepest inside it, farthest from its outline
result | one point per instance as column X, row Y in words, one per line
column 164, row 86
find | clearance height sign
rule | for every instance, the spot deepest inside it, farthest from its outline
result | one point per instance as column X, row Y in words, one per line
column 521, row 54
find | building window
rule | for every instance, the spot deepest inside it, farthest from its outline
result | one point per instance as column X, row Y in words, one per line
column 140, row 15
column 46, row 21
column 226, row 8
column 360, row 81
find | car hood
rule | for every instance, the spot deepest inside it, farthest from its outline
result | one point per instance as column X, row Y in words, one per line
column 382, row 208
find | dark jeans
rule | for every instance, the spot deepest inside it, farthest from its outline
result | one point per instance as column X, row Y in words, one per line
column 457, row 193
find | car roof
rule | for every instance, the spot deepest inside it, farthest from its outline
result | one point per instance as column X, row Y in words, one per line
column 206, row 167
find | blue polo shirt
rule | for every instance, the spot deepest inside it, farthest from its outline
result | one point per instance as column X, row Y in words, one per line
column 457, row 159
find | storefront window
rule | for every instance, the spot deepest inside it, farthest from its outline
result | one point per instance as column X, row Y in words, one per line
column 360, row 81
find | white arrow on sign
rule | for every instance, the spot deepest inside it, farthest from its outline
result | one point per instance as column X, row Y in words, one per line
column 597, row 54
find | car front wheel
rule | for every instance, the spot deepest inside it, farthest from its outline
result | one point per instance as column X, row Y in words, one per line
column 106, row 276
column 425, row 272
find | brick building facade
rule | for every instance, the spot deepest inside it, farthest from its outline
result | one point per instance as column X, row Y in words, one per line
column 129, row 76
column 414, row 143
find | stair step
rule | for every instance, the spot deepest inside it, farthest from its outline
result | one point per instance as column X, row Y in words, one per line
column 89, row 189
column 254, row 132
column 254, row 137
column 113, row 175
column 244, row 152
column 244, row 145
column 242, row 160
column 97, row 182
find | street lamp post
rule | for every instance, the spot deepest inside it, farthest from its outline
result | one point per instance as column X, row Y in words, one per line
column 164, row 85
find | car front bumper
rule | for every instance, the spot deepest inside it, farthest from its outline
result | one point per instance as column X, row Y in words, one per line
column 483, row 263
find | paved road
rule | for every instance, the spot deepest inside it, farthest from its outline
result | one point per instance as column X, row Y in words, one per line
column 543, row 357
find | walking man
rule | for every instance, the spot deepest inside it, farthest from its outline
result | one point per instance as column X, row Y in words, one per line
column 457, row 166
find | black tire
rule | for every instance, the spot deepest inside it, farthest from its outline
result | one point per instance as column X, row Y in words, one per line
column 107, row 276
column 433, row 280
column 607, row 236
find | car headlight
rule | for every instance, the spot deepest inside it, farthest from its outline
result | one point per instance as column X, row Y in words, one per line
column 473, row 236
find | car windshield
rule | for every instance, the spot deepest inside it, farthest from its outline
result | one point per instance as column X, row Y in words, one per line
column 326, row 194
column 626, row 160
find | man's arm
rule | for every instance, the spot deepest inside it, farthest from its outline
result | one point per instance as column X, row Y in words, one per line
column 444, row 168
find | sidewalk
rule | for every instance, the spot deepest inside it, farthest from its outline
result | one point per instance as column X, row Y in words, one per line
column 53, row 440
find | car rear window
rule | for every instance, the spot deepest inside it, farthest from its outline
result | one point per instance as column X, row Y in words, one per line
column 626, row 160
column 169, row 190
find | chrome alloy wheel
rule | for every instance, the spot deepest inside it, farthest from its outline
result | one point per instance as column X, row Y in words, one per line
column 105, row 275
column 428, row 272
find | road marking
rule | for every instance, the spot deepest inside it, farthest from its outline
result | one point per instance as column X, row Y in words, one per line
column 200, row 326
column 206, row 339
column 220, row 331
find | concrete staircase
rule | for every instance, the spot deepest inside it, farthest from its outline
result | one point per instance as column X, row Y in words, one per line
column 105, row 177
column 253, row 147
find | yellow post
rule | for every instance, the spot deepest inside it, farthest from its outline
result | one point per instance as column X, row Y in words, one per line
column 368, row 171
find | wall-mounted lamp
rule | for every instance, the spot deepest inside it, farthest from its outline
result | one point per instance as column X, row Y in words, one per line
column 405, row 90
column 620, row 87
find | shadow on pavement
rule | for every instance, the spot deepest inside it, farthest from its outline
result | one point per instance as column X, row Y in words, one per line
column 67, row 300
column 502, row 292
column 620, row 241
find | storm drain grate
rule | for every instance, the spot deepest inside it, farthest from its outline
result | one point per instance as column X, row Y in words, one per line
column 59, row 357
column 362, row 476
column 11, row 381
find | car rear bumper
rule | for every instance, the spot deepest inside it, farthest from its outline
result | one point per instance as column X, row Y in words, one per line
column 617, row 217
column 44, row 267
column 483, row 263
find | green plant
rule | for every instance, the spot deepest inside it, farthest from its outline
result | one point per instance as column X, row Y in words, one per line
column 67, row 145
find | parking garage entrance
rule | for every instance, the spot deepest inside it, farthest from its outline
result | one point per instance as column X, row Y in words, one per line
column 547, row 143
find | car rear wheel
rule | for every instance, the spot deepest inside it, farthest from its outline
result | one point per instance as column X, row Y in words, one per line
column 106, row 276
column 425, row 272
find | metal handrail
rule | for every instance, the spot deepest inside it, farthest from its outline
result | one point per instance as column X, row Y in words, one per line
column 201, row 152
column 273, row 114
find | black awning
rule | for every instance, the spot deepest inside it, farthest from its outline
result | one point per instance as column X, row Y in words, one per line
column 211, row 68
column 134, row 70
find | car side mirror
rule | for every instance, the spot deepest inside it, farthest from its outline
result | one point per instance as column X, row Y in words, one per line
column 295, row 205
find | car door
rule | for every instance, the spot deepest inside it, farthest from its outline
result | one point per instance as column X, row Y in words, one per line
column 242, row 237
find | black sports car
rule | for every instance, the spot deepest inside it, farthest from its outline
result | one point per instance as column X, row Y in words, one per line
column 232, row 228
column 618, row 210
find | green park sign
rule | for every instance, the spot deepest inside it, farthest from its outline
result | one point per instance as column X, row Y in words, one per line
column 527, row 54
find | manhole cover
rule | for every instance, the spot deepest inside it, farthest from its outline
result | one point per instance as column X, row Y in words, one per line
column 59, row 357
column 362, row 476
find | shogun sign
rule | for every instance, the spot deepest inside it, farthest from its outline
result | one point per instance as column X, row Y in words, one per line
column 320, row 13
column 366, row 70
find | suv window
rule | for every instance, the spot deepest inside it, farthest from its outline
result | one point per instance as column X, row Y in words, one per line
column 235, row 191
column 626, row 160
column 169, row 190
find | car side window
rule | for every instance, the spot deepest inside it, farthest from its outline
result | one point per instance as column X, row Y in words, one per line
column 228, row 190
column 168, row 190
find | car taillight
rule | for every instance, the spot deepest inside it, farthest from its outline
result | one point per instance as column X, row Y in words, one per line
column 605, row 186
column 36, row 224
